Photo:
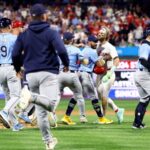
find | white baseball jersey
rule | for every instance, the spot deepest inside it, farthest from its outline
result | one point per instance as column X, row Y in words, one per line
column 111, row 50
column 104, row 88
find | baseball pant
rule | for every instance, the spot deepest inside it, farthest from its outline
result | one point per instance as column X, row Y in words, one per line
column 104, row 88
column 71, row 80
column 88, row 85
column 142, row 82
column 46, row 84
column 11, row 85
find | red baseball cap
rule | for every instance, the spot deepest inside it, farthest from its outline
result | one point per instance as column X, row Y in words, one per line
column 17, row 24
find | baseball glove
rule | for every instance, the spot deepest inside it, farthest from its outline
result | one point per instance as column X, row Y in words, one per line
column 100, row 70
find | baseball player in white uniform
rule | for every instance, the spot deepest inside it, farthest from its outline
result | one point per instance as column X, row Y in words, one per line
column 10, row 83
column 108, row 53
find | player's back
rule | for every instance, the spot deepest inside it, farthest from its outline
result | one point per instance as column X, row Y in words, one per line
column 75, row 55
column 7, row 41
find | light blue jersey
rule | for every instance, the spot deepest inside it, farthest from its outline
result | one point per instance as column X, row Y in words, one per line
column 75, row 55
column 144, row 52
column 92, row 56
column 7, row 41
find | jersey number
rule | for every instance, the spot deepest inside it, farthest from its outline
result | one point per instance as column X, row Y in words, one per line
column 3, row 51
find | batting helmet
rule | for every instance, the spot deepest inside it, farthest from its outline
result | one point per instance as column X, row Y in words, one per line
column 5, row 22
column 17, row 24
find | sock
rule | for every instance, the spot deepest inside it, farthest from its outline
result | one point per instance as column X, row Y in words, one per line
column 97, row 107
column 81, row 105
column 13, row 118
column 30, row 109
column 140, row 112
column 11, row 104
column 112, row 105
column 71, row 106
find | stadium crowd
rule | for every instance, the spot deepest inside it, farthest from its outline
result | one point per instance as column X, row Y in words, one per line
column 126, row 24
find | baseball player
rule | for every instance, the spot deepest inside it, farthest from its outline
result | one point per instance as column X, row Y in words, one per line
column 17, row 28
column 10, row 83
column 85, row 72
column 37, row 50
column 105, row 80
column 71, row 80
column 142, row 79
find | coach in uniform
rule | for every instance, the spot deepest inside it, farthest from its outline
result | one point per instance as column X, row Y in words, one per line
column 142, row 81
column 40, row 46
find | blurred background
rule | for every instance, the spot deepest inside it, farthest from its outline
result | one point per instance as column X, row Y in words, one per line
column 126, row 19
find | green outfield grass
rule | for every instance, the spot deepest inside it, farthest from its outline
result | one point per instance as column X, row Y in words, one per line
column 84, row 136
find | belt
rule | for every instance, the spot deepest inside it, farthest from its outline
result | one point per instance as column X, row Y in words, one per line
column 86, row 71
column 5, row 65
column 144, row 69
column 73, row 71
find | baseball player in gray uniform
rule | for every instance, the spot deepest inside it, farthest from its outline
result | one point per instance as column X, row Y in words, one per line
column 71, row 79
column 8, row 79
column 142, row 81
column 85, row 73
column 37, row 50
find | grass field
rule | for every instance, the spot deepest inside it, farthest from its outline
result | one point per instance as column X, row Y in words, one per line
column 84, row 136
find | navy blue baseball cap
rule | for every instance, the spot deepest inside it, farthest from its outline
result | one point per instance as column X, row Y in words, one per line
column 68, row 36
column 92, row 38
column 38, row 9
column 4, row 22
column 147, row 32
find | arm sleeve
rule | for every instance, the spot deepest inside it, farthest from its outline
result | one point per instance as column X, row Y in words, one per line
column 145, row 63
column 17, row 54
column 60, row 48
column 144, row 52
column 94, row 57
column 113, row 52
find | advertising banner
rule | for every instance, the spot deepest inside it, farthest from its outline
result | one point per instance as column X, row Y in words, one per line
column 128, row 51
column 124, row 86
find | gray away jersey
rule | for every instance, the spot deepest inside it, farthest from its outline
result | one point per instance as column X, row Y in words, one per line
column 7, row 41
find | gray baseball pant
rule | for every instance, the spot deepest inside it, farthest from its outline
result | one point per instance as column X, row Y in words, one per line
column 46, row 85
column 142, row 82
column 71, row 80
column 11, row 85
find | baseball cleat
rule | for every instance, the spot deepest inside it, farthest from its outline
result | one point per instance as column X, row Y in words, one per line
column 136, row 126
column 17, row 127
column 24, row 117
column 25, row 98
column 103, row 120
column 83, row 119
column 120, row 115
column 4, row 119
column 67, row 120
column 51, row 144
column 52, row 120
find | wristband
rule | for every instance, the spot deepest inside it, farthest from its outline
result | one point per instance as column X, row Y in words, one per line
column 113, row 69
